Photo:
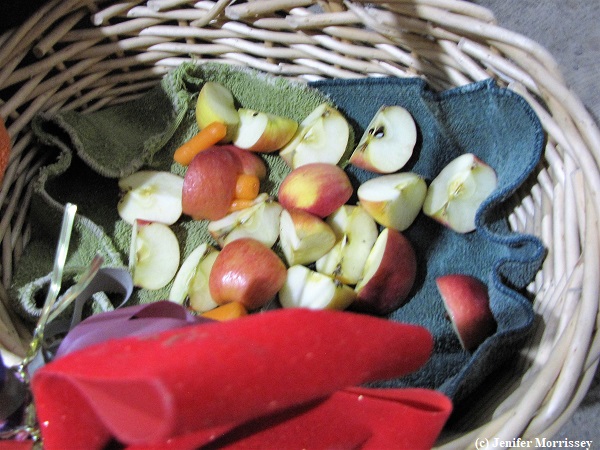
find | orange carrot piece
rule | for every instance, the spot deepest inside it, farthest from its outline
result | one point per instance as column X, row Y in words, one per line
column 247, row 187
column 228, row 311
column 206, row 138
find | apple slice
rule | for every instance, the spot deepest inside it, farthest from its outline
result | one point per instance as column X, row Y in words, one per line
column 393, row 200
column 388, row 276
column 259, row 221
column 263, row 132
column 248, row 272
column 181, row 283
column 200, row 298
column 356, row 233
column 305, row 288
column 216, row 104
column 322, row 137
column 467, row 302
column 317, row 188
column 388, row 142
column 455, row 195
column 304, row 237
column 152, row 196
column 191, row 282
column 156, row 256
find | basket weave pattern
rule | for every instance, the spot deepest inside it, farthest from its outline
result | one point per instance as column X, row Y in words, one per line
column 88, row 54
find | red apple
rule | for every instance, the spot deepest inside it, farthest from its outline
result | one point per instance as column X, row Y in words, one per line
column 467, row 302
column 210, row 179
column 252, row 164
column 317, row 188
column 248, row 272
column 388, row 276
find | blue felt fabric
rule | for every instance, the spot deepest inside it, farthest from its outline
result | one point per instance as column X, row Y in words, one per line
column 498, row 126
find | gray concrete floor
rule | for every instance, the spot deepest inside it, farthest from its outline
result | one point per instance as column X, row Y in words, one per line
column 569, row 30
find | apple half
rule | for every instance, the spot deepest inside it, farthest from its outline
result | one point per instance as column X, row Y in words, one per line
column 154, row 255
column 457, row 192
column 388, row 276
column 467, row 303
column 388, row 142
column 321, row 137
column 259, row 221
column 263, row 132
column 216, row 104
column 152, row 196
column 393, row 200
column 305, row 288
column 356, row 233
column 304, row 237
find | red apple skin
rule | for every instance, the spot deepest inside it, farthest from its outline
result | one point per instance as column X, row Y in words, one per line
column 209, row 184
column 317, row 188
column 248, row 272
column 390, row 285
column 467, row 303
column 252, row 164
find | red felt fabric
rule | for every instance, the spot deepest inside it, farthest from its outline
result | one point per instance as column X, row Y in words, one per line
column 352, row 418
column 210, row 378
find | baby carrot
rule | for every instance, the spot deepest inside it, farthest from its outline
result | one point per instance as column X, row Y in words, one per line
column 228, row 311
column 247, row 187
column 207, row 137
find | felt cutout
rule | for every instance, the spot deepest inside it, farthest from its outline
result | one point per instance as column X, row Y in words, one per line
column 213, row 377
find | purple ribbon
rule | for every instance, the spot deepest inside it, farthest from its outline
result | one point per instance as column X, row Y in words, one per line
column 139, row 320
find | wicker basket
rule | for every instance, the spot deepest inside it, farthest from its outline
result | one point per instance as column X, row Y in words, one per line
column 87, row 54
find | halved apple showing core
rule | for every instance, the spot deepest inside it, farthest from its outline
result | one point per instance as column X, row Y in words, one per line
column 152, row 196
column 393, row 200
column 388, row 142
column 466, row 300
column 322, row 137
column 263, row 132
column 455, row 195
